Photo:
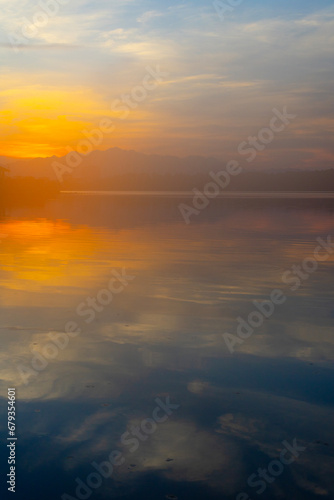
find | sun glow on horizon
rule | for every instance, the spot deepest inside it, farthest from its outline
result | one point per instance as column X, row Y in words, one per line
column 42, row 122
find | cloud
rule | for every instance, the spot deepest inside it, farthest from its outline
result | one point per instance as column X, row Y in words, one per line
column 149, row 15
column 198, row 455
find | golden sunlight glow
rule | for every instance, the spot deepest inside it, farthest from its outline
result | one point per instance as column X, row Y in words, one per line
column 38, row 251
column 42, row 252
column 43, row 122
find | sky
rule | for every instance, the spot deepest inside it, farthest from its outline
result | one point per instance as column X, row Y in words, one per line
column 67, row 65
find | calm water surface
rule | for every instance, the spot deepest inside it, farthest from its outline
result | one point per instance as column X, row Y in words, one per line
column 161, row 337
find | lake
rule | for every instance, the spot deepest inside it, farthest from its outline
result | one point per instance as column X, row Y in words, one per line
column 154, row 359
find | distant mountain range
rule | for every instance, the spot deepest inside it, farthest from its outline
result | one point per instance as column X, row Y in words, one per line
column 118, row 169
column 106, row 164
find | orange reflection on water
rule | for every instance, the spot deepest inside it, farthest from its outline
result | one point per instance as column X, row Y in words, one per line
column 41, row 250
